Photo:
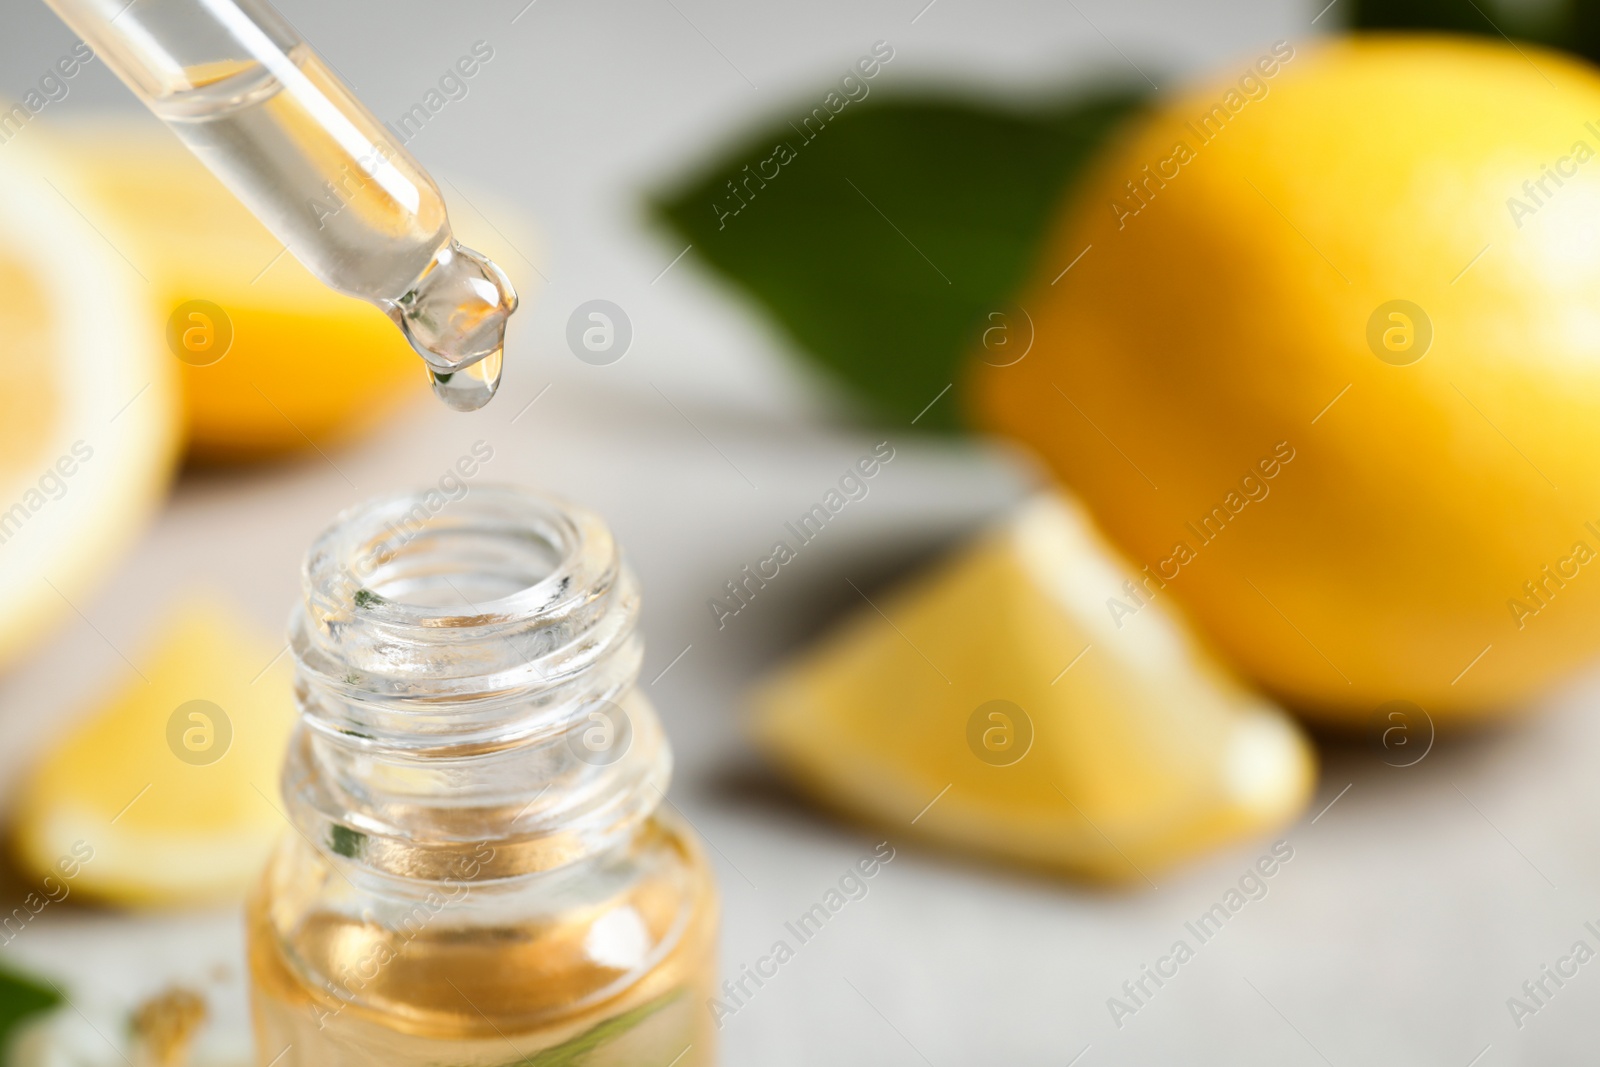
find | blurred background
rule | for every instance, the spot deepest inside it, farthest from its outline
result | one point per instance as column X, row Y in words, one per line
column 1422, row 893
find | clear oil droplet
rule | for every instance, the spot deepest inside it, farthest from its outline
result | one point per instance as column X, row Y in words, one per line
column 471, row 388
column 455, row 318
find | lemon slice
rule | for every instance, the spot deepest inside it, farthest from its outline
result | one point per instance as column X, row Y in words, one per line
column 172, row 789
column 88, row 424
column 998, row 706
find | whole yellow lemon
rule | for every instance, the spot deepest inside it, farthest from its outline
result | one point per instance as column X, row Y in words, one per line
column 1320, row 345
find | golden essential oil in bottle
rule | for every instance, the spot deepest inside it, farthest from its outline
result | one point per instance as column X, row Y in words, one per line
column 481, row 873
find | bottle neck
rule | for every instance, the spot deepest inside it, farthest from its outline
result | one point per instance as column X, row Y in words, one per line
column 465, row 674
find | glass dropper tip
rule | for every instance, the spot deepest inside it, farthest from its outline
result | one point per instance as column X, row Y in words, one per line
column 455, row 318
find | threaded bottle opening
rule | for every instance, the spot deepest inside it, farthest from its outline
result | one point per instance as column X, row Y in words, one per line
column 465, row 672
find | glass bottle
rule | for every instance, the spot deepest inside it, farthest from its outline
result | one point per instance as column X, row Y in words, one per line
column 480, row 873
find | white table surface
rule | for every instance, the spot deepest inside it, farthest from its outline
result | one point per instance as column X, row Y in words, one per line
column 1413, row 907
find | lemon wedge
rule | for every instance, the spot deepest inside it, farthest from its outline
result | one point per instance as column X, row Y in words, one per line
column 169, row 794
column 1032, row 700
column 289, row 361
column 88, row 416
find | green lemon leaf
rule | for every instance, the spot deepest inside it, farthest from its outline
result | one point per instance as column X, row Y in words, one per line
column 881, row 238
column 1570, row 24
column 21, row 998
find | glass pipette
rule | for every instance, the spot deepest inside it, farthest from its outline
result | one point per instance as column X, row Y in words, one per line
column 288, row 137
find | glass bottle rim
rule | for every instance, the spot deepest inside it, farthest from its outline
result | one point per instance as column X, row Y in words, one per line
column 352, row 564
